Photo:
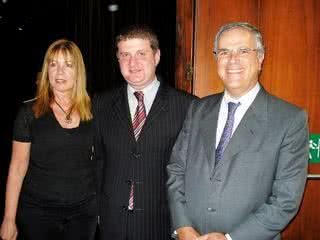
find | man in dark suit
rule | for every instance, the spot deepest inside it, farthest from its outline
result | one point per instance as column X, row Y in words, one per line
column 137, row 126
column 239, row 166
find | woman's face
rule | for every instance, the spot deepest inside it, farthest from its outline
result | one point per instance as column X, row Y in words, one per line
column 62, row 73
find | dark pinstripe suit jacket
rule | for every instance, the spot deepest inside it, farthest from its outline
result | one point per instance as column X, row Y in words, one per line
column 143, row 162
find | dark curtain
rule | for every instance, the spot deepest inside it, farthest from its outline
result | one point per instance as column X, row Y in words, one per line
column 96, row 27
column 28, row 27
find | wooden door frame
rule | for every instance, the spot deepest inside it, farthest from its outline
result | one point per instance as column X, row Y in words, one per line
column 184, row 45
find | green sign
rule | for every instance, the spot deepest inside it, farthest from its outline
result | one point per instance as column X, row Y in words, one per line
column 314, row 148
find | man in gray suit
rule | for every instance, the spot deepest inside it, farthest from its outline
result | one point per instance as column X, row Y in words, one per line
column 238, row 170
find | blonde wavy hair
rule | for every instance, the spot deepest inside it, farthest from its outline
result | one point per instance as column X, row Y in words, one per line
column 80, row 97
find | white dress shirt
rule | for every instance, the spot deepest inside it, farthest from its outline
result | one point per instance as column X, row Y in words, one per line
column 245, row 102
column 149, row 93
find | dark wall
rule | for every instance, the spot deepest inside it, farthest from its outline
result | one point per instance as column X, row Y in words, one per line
column 28, row 27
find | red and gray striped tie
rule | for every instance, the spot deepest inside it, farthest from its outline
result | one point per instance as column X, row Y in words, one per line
column 137, row 123
column 131, row 199
column 140, row 115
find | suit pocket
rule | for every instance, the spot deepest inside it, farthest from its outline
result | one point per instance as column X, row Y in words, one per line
column 254, row 167
column 259, row 157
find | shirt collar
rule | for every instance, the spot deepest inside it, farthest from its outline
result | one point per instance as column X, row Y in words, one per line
column 245, row 99
column 153, row 85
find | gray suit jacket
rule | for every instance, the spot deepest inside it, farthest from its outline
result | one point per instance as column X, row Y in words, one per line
column 256, row 189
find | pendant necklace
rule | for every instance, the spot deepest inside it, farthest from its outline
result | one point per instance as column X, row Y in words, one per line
column 68, row 118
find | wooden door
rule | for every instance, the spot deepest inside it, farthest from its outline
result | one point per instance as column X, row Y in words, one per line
column 291, row 70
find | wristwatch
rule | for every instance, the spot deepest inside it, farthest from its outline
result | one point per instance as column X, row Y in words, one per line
column 174, row 235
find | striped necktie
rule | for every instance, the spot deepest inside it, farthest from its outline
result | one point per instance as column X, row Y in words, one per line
column 139, row 116
column 137, row 124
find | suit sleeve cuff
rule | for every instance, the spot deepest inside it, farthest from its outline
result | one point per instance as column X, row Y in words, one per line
column 228, row 236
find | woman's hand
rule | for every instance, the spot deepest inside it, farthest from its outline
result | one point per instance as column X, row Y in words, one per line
column 8, row 230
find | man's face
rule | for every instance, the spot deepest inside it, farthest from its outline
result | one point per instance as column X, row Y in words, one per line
column 239, row 71
column 137, row 62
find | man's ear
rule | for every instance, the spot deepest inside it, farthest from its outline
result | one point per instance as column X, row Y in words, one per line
column 157, row 56
column 260, row 60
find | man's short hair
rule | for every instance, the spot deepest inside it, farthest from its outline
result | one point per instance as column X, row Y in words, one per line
column 242, row 25
column 138, row 31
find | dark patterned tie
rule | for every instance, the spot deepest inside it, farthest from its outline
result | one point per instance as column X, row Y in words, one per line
column 139, row 116
column 227, row 131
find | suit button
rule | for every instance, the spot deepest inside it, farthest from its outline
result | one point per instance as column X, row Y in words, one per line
column 211, row 209
column 129, row 182
column 125, row 208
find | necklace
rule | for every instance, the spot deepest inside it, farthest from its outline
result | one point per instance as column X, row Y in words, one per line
column 68, row 118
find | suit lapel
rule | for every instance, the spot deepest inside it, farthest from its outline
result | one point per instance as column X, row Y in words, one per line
column 208, row 127
column 159, row 105
column 122, row 111
column 120, row 107
column 251, row 127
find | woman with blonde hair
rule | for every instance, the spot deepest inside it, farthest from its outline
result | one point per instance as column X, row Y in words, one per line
column 51, row 186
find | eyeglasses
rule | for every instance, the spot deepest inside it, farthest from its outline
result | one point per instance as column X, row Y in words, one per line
column 139, row 56
column 226, row 53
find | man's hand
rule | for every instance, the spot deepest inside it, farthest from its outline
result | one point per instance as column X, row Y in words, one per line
column 212, row 236
column 187, row 233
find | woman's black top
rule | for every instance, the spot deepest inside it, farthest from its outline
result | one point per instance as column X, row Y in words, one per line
column 62, row 167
